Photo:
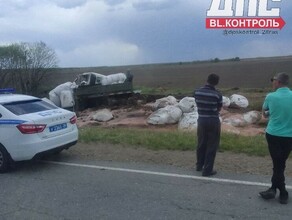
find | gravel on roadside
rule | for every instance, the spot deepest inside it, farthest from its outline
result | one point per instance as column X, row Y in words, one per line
column 225, row 161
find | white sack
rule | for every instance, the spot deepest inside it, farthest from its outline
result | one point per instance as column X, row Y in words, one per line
column 252, row 117
column 102, row 115
column 54, row 98
column 113, row 79
column 238, row 101
column 48, row 101
column 160, row 117
column 225, row 101
column 175, row 114
column 62, row 87
column 163, row 102
column 167, row 115
column 67, row 100
column 236, row 120
column 55, row 94
column 187, row 104
column 189, row 121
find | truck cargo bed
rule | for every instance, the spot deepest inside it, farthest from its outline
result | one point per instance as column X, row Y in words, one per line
column 83, row 95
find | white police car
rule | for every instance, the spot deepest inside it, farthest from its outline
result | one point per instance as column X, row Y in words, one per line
column 31, row 127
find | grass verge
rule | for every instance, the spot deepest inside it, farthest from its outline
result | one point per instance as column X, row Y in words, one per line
column 171, row 140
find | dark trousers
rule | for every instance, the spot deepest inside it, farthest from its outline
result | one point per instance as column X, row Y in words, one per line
column 279, row 148
column 208, row 133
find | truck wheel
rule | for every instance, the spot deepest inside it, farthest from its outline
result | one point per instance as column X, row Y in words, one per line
column 4, row 160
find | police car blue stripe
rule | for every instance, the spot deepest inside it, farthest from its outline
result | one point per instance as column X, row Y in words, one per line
column 11, row 122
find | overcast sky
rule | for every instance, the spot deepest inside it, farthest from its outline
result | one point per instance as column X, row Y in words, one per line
column 87, row 33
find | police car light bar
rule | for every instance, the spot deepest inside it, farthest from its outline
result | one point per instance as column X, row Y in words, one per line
column 7, row 90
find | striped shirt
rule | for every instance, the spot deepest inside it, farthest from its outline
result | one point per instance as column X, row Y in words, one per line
column 209, row 101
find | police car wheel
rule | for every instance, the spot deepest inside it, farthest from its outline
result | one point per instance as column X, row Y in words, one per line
column 4, row 160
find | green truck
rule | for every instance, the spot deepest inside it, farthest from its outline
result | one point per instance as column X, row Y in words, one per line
column 95, row 89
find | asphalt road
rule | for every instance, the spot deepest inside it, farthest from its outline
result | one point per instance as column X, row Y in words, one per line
column 76, row 189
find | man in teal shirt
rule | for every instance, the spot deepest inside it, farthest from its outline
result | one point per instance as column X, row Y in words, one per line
column 277, row 108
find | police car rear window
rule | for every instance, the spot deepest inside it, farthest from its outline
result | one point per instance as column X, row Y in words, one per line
column 27, row 107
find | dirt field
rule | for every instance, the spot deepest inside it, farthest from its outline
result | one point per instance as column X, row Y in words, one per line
column 247, row 73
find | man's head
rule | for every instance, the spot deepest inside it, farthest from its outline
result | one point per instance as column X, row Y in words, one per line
column 213, row 79
column 280, row 80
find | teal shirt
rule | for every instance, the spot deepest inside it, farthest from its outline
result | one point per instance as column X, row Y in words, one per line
column 279, row 105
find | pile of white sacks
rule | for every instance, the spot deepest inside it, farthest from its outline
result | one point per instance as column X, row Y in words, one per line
column 114, row 78
column 62, row 95
column 169, row 111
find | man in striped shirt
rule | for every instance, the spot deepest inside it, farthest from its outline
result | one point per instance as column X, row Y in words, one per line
column 209, row 103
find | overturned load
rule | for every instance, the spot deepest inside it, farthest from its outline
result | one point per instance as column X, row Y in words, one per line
column 187, row 104
column 62, row 95
column 92, row 78
column 252, row 117
column 189, row 121
column 225, row 101
column 238, row 101
column 241, row 120
column 103, row 115
column 113, row 79
column 167, row 115
column 235, row 120
column 163, row 102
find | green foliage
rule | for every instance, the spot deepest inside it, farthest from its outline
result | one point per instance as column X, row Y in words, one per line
column 171, row 140
column 255, row 145
column 234, row 59
column 155, row 140
column 216, row 60
column 24, row 65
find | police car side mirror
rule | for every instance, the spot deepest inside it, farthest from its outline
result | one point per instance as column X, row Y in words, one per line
column 0, row 115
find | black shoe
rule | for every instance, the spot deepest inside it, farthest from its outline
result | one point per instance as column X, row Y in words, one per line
column 199, row 168
column 212, row 173
column 283, row 198
column 268, row 194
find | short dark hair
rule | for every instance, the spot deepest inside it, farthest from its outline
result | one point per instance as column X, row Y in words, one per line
column 213, row 79
column 283, row 78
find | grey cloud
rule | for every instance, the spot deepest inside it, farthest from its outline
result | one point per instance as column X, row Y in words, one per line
column 145, row 5
column 23, row 5
column 69, row 3
column 114, row 2
column 114, row 32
